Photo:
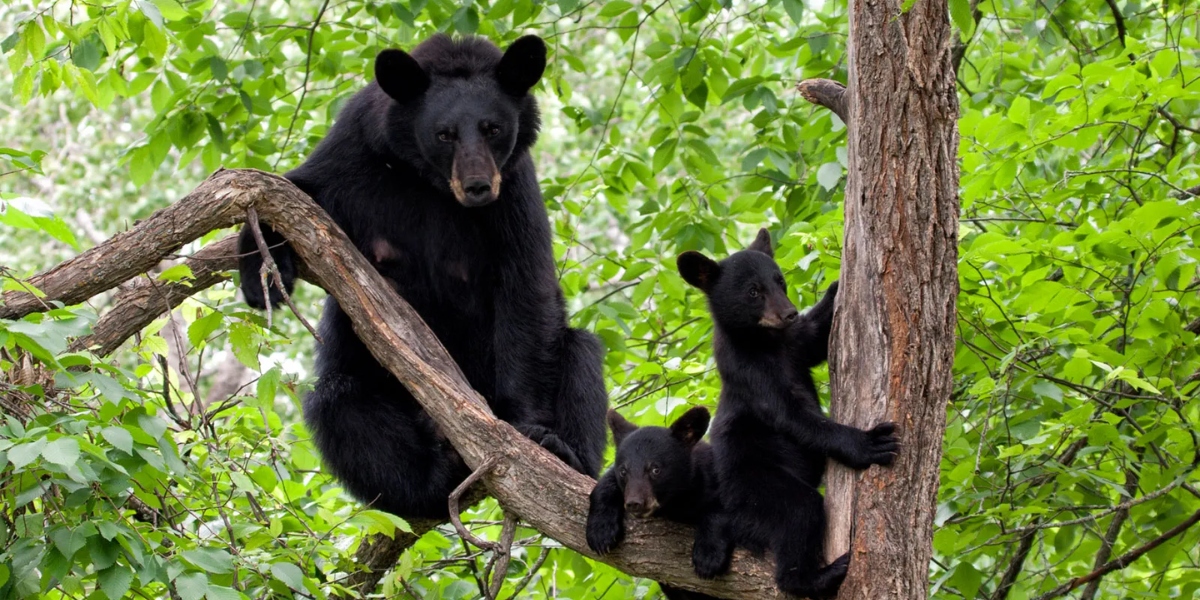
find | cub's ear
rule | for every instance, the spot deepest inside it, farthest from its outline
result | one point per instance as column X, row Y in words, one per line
column 522, row 65
column 400, row 76
column 698, row 269
column 619, row 426
column 690, row 427
column 762, row 243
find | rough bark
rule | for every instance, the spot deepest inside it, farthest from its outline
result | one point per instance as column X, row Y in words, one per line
column 527, row 480
column 892, row 345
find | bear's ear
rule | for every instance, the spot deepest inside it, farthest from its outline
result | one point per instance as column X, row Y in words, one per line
column 698, row 269
column 522, row 65
column 619, row 426
column 690, row 427
column 400, row 76
column 762, row 243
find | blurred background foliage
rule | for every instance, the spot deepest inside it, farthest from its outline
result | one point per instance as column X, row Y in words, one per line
column 179, row 467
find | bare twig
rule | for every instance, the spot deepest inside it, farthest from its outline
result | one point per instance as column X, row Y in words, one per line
column 312, row 31
column 269, row 266
column 493, row 574
column 455, row 512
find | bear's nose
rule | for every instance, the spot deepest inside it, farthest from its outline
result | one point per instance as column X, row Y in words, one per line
column 478, row 187
column 791, row 316
column 636, row 507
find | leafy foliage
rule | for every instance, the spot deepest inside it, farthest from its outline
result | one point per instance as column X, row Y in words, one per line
column 180, row 464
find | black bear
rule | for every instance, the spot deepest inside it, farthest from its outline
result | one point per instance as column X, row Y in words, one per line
column 428, row 171
column 661, row 471
column 770, row 437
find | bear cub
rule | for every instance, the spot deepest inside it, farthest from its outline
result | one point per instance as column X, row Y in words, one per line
column 770, row 438
column 659, row 471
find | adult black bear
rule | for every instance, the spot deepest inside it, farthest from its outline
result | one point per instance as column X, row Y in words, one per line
column 661, row 471
column 428, row 171
column 770, row 438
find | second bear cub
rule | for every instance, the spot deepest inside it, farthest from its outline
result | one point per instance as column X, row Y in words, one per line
column 770, row 438
column 659, row 471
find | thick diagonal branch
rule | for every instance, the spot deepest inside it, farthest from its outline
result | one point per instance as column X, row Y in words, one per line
column 526, row 479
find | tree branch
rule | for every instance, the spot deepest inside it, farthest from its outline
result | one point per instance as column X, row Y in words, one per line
column 526, row 479
column 827, row 93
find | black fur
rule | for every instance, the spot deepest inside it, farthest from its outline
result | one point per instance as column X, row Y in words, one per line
column 770, row 437
column 477, row 266
column 659, row 471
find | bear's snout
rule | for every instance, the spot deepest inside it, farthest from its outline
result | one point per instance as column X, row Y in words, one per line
column 474, row 178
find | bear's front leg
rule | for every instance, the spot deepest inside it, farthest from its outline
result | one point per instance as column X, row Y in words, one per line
column 250, row 263
column 606, row 515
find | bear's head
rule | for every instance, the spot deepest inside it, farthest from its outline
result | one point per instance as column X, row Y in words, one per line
column 745, row 291
column 654, row 464
column 460, row 110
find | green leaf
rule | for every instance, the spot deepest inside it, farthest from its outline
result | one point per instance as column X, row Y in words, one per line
column 211, row 560
column 23, row 454
column 960, row 13
column 267, row 384
column 68, row 541
column 177, row 273
column 203, row 327
column 614, row 8
column 119, row 438
column 242, row 338
column 664, row 153
column 151, row 11
column 171, row 9
column 829, row 175
column 191, row 586
column 220, row 592
column 115, row 581
column 289, row 574
column 152, row 425
column 63, row 451
column 86, row 54
column 795, row 10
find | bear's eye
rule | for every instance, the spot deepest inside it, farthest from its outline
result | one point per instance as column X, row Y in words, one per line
column 445, row 136
column 654, row 471
column 754, row 291
column 779, row 280
column 623, row 473
column 492, row 130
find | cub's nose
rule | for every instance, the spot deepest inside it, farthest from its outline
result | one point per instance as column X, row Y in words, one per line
column 791, row 316
column 478, row 188
column 639, row 508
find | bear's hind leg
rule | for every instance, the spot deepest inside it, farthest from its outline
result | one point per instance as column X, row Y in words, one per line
column 798, row 552
column 381, row 447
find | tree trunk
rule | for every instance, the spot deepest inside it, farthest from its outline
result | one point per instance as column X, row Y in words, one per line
column 892, row 345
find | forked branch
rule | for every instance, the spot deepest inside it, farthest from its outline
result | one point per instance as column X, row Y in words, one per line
column 526, row 479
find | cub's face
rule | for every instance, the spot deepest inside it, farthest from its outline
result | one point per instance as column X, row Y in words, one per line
column 653, row 468
column 746, row 290
column 654, row 464
column 466, row 125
